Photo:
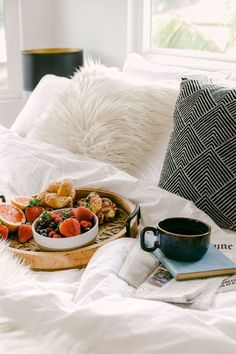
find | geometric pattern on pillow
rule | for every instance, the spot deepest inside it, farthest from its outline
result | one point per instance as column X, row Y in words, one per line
column 200, row 162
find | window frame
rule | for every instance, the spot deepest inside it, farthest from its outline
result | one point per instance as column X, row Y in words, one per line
column 175, row 57
column 12, row 17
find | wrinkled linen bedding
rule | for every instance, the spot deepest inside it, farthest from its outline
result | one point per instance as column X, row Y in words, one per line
column 92, row 310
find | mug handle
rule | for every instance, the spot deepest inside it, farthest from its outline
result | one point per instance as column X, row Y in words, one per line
column 3, row 199
column 142, row 239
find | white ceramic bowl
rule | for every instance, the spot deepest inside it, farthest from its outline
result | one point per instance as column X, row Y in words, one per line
column 65, row 243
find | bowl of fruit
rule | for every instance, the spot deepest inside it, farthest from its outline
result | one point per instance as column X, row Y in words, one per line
column 65, row 229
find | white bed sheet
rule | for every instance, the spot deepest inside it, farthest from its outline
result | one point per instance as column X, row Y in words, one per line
column 92, row 311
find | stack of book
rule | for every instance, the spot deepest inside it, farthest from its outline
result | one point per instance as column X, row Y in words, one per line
column 213, row 263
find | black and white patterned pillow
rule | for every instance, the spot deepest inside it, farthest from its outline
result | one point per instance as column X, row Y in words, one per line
column 200, row 163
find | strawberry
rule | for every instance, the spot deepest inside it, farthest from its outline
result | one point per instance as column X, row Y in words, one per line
column 51, row 233
column 82, row 213
column 4, row 232
column 89, row 224
column 56, row 236
column 32, row 213
column 53, row 215
column 70, row 227
column 58, row 219
column 73, row 213
column 85, row 224
column 25, row 233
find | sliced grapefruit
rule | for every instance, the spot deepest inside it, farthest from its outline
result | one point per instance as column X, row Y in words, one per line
column 11, row 216
column 21, row 202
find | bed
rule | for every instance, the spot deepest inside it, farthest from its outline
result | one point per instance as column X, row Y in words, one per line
column 93, row 310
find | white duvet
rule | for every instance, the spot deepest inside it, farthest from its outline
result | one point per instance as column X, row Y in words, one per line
column 93, row 311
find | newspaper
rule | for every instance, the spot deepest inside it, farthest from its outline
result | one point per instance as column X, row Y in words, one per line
column 152, row 281
column 228, row 284
column 196, row 294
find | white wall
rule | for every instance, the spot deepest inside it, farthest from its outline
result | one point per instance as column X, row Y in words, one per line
column 39, row 23
column 105, row 29
column 37, row 30
column 100, row 27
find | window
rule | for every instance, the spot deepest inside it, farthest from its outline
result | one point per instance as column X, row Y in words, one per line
column 203, row 29
column 3, row 52
column 10, row 61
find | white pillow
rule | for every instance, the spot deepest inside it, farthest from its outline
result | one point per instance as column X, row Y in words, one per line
column 102, row 115
column 137, row 66
column 38, row 100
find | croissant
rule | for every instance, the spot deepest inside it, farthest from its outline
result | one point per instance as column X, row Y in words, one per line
column 55, row 201
column 58, row 195
column 41, row 197
column 66, row 188
column 53, row 187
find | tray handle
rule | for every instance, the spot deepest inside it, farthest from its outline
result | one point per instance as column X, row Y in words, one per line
column 136, row 212
column 2, row 199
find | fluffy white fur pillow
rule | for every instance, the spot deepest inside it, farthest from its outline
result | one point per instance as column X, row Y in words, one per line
column 102, row 115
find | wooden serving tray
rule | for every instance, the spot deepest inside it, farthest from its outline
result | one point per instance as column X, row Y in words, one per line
column 124, row 225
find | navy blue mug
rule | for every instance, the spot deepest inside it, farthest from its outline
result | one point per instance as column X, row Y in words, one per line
column 183, row 239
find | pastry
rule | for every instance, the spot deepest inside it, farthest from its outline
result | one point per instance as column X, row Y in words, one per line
column 55, row 201
column 66, row 188
column 95, row 202
column 53, row 187
column 104, row 208
column 108, row 208
column 58, row 195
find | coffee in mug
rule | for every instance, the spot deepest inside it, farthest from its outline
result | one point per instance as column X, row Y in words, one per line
column 179, row 238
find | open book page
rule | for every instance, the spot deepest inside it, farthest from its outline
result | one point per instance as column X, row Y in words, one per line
column 161, row 286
